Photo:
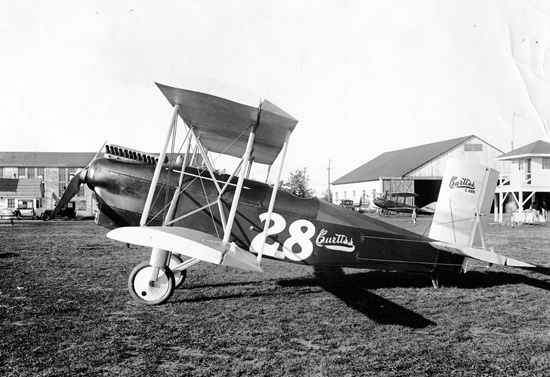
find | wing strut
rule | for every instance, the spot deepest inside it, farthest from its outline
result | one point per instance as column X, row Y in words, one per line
column 240, row 183
column 235, row 258
column 211, row 121
column 273, row 197
column 156, row 175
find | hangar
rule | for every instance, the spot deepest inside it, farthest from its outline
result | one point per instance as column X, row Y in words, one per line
column 416, row 170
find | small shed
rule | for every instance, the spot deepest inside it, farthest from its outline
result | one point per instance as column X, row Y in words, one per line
column 20, row 193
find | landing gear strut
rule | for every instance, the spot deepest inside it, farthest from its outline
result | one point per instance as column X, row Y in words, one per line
column 179, row 276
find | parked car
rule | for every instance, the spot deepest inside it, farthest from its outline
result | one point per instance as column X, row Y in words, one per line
column 347, row 203
column 68, row 211
column 26, row 209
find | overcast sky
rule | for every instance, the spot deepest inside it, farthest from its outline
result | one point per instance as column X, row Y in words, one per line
column 362, row 77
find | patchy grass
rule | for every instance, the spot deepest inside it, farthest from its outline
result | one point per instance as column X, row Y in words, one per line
column 65, row 310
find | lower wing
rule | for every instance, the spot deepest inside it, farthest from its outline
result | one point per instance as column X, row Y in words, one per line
column 189, row 242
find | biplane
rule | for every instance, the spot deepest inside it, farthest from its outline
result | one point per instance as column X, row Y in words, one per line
column 188, row 212
column 398, row 202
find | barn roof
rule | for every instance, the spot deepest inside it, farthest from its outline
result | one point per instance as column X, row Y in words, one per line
column 401, row 162
column 538, row 148
column 21, row 188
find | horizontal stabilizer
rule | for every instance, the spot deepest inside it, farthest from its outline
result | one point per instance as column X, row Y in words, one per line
column 191, row 243
column 482, row 255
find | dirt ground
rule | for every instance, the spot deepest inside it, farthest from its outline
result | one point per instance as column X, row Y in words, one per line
column 65, row 310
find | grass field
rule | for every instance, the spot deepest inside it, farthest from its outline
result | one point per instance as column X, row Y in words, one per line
column 65, row 310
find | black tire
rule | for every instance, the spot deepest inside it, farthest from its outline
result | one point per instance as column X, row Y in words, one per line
column 142, row 292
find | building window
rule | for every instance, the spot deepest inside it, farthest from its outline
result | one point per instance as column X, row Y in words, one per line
column 40, row 173
column 521, row 164
column 81, row 191
column 353, row 194
column 11, row 203
column 31, row 173
column 62, row 186
column 336, row 196
column 21, row 172
column 345, row 194
column 546, row 163
column 1, row 172
column 62, row 175
column 473, row 147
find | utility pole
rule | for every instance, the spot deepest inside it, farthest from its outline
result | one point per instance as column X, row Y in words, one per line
column 329, row 193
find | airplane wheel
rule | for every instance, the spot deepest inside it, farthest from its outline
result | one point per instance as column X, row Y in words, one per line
column 381, row 213
column 179, row 276
column 142, row 292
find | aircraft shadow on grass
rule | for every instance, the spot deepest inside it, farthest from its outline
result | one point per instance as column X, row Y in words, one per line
column 354, row 290
column 355, row 296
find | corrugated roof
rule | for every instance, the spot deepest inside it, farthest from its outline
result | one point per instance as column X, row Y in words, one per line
column 22, row 188
column 401, row 162
column 45, row 159
column 537, row 148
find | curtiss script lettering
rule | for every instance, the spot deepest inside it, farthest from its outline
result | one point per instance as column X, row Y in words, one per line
column 338, row 242
column 465, row 183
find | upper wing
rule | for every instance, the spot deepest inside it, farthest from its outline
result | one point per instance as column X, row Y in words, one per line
column 191, row 243
column 220, row 123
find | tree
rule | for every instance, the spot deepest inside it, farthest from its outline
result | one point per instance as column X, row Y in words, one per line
column 326, row 195
column 298, row 184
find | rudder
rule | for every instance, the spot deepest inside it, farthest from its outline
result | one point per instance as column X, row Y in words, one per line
column 466, row 190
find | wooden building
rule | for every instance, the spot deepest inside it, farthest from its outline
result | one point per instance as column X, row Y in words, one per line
column 23, row 194
column 524, row 191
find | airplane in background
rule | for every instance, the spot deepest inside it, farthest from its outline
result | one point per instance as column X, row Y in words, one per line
column 397, row 202
column 187, row 208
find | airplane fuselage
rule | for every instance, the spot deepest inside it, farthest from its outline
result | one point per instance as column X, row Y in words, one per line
column 307, row 231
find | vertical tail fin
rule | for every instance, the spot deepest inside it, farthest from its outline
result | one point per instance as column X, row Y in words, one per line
column 464, row 203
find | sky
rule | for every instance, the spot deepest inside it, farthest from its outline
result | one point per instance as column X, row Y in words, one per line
column 362, row 77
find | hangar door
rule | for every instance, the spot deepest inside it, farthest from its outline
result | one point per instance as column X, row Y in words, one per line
column 399, row 185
